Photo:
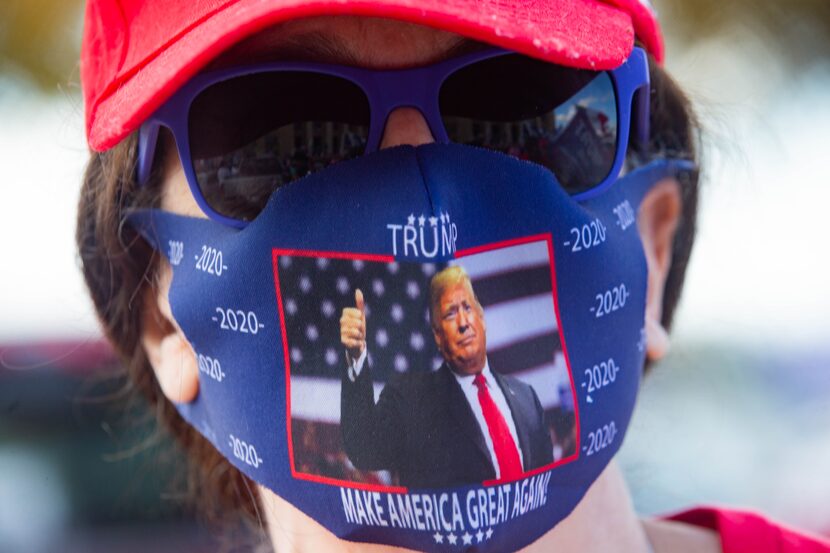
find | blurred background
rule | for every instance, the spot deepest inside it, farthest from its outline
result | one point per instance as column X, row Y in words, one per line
column 738, row 414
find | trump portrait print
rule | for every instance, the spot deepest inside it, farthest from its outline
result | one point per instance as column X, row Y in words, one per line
column 425, row 375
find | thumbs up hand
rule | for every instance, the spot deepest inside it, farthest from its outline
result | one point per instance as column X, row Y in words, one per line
column 353, row 326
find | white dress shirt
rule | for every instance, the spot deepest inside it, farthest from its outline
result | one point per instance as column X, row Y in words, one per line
column 471, row 393
column 356, row 365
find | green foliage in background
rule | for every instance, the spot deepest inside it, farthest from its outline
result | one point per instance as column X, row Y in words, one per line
column 798, row 29
column 40, row 39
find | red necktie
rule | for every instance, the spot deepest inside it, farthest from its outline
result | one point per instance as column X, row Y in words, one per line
column 510, row 464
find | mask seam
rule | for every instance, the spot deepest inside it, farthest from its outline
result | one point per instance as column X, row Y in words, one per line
column 423, row 180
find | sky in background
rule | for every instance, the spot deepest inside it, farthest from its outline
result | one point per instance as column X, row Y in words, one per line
column 760, row 271
column 43, row 154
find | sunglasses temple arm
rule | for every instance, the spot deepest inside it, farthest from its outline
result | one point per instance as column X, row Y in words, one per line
column 147, row 138
column 642, row 109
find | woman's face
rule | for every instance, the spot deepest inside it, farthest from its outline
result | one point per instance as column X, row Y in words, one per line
column 366, row 42
column 374, row 43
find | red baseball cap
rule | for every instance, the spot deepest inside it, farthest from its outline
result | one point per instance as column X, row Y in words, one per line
column 136, row 53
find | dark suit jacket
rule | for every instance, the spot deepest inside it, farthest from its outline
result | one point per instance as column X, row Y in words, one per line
column 423, row 428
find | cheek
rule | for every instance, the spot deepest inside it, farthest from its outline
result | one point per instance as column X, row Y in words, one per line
column 175, row 192
column 441, row 340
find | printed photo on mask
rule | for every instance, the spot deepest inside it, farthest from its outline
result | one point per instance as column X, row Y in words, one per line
column 457, row 376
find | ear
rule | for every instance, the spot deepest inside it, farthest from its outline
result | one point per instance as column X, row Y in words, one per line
column 170, row 355
column 657, row 222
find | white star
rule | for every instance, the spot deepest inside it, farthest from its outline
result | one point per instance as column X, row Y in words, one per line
column 468, row 539
column 412, row 289
column 438, row 537
column 416, row 341
column 411, row 219
column 489, row 533
column 421, row 220
column 401, row 364
column 433, row 221
column 442, row 217
column 305, row 284
column 480, row 536
column 342, row 285
column 453, row 538
column 447, row 217
column 378, row 287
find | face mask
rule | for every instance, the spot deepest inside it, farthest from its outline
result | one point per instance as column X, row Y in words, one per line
column 405, row 445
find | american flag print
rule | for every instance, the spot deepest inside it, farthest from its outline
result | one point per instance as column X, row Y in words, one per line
column 514, row 287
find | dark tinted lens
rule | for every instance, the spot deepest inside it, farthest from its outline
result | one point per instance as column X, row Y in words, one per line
column 250, row 135
column 562, row 118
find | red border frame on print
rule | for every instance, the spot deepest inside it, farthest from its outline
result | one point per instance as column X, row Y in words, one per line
column 545, row 237
column 277, row 252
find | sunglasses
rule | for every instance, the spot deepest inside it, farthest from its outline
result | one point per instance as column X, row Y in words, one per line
column 243, row 132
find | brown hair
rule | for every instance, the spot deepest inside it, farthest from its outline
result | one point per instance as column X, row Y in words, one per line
column 120, row 269
column 675, row 133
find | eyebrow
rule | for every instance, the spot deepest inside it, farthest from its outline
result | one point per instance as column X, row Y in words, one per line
column 314, row 46
column 466, row 46
column 311, row 46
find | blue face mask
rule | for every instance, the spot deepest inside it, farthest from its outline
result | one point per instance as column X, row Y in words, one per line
column 504, row 342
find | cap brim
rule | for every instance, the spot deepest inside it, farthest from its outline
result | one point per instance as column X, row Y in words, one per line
column 578, row 33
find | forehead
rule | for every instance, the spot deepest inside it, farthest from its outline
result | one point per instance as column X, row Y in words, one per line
column 350, row 40
column 455, row 294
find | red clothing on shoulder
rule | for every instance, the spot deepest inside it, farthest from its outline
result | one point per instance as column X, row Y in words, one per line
column 747, row 532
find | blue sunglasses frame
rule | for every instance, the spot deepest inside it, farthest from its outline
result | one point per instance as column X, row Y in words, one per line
column 387, row 90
